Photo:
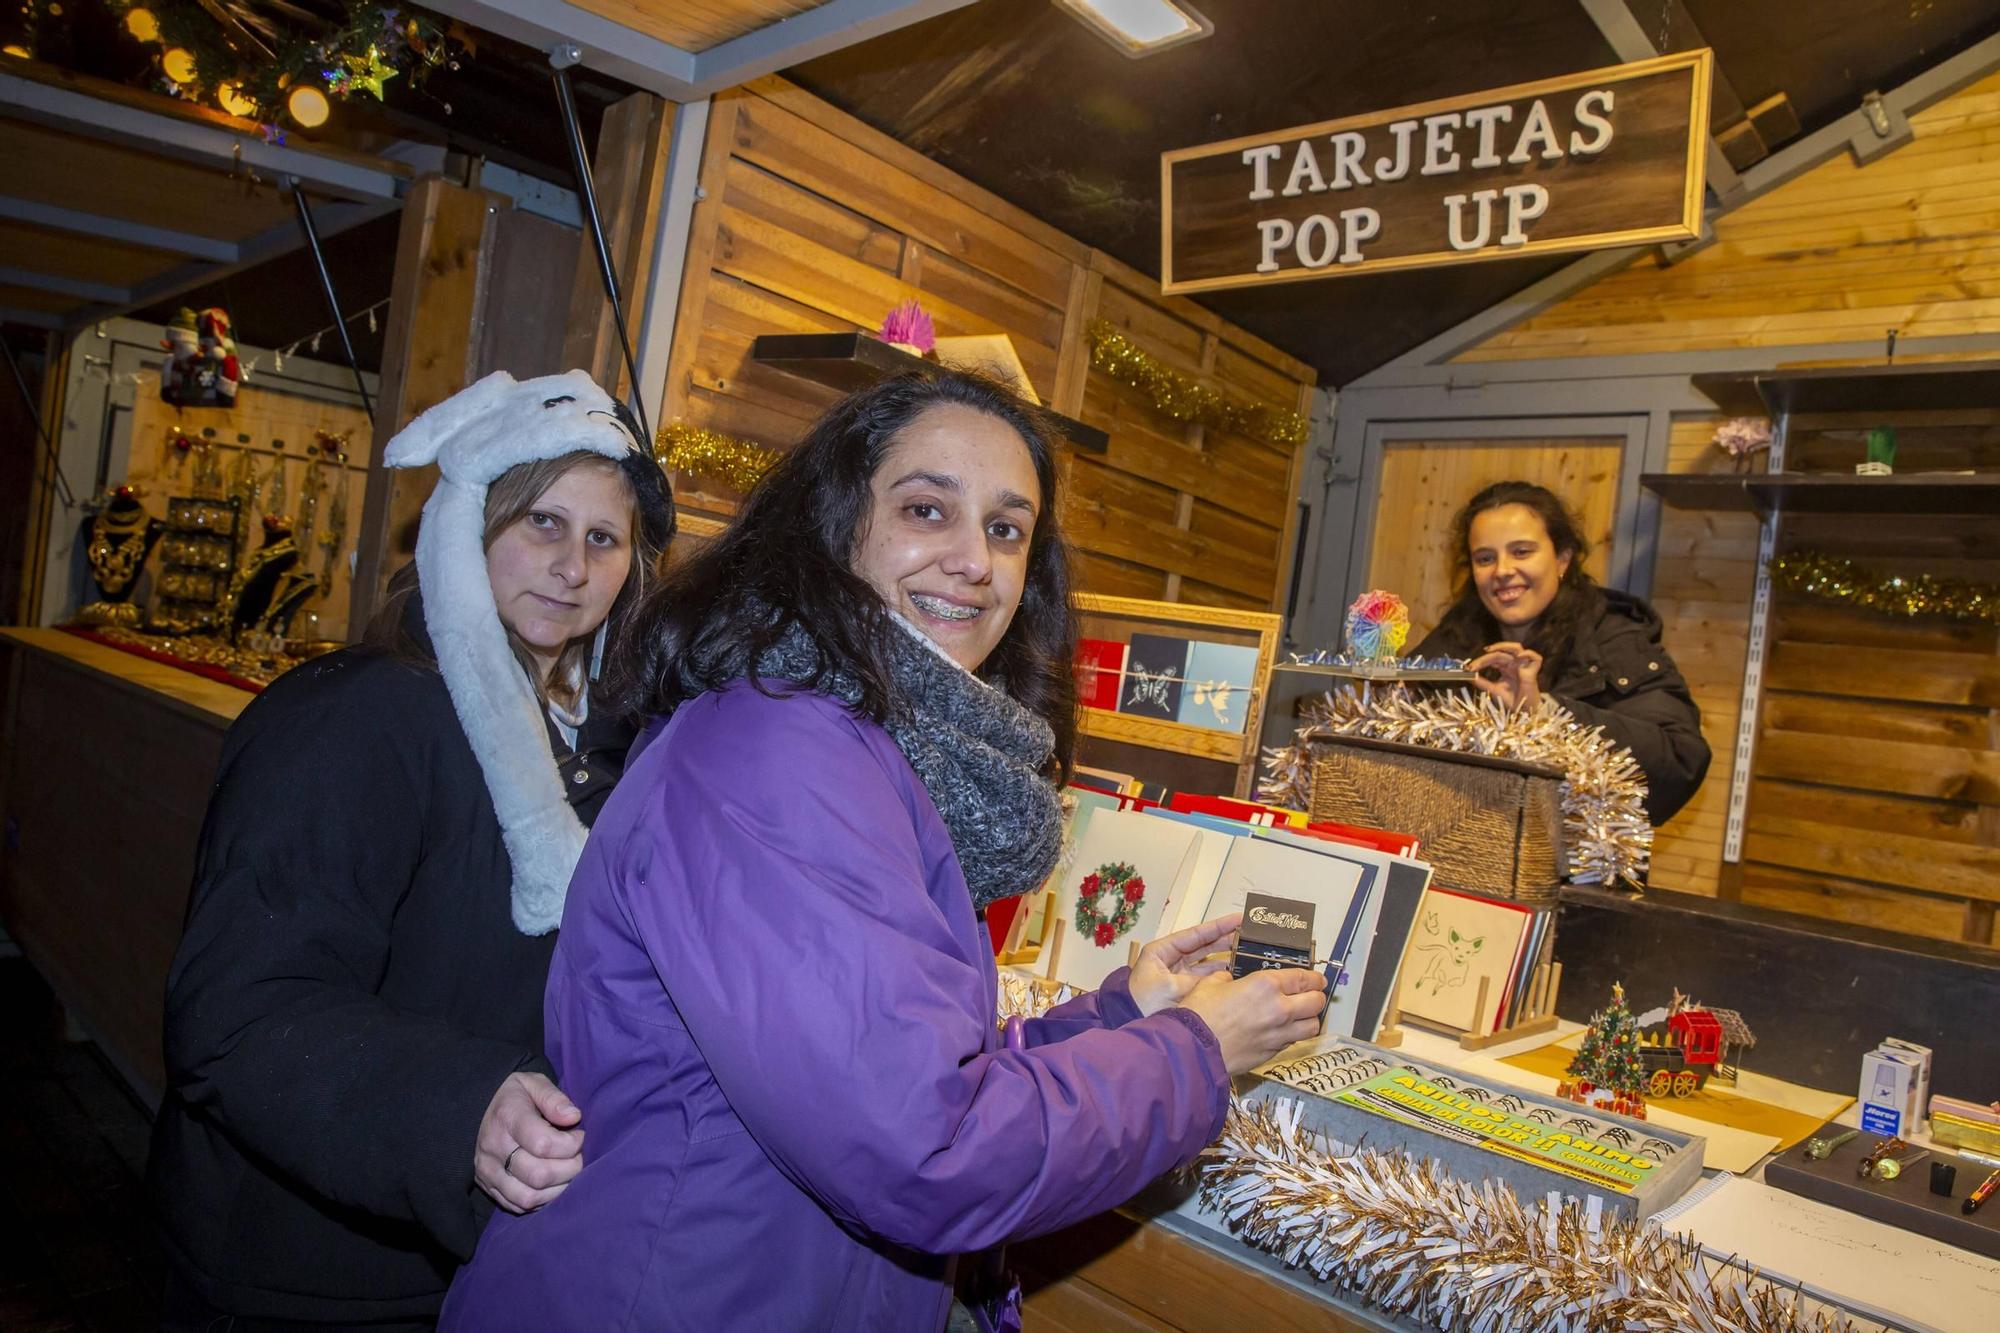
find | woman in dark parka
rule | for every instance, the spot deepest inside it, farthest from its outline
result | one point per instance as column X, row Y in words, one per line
column 354, row 1035
column 1533, row 622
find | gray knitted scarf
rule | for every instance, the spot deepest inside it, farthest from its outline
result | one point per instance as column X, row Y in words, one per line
column 979, row 754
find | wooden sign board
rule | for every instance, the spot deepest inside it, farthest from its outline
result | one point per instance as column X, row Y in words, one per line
column 1604, row 158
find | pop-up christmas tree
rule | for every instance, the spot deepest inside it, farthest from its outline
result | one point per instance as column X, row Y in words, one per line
column 1607, row 1071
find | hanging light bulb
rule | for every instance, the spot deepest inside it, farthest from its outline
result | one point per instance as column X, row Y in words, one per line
column 139, row 21
column 178, row 63
column 232, row 98
column 308, row 106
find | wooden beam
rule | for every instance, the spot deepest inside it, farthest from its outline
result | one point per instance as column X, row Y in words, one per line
column 629, row 174
column 429, row 352
column 42, row 491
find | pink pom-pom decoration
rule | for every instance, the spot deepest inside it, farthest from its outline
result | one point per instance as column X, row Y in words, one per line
column 908, row 326
column 1378, row 625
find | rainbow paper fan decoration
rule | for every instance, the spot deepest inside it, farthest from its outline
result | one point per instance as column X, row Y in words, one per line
column 1378, row 625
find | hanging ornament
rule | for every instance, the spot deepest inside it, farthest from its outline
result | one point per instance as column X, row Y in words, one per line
column 139, row 21
column 366, row 73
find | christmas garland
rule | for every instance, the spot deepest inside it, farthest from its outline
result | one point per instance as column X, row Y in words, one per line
column 1447, row 1254
column 736, row 463
column 1120, row 879
column 1181, row 397
column 1832, row 579
column 1605, row 831
column 251, row 62
column 1022, row 996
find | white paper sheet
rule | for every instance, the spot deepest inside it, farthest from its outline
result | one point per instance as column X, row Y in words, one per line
column 1879, row 1270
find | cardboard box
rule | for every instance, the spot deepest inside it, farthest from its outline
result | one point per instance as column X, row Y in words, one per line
column 1889, row 1092
column 1923, row 1059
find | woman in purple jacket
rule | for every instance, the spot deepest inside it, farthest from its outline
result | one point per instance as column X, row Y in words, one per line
column 772, row 996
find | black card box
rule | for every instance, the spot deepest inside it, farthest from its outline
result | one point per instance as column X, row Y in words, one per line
column 1276, row 932
column 1905, row 1202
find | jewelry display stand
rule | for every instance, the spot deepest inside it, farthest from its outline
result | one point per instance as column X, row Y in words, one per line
column 197, row 564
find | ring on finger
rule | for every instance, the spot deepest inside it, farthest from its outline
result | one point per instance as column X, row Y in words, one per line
column 507, row 1165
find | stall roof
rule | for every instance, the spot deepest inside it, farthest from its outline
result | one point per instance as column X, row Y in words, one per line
column 117, row 199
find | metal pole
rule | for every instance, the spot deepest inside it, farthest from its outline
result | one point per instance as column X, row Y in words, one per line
column 57, row 480
column 326, row 286
column 560, row 59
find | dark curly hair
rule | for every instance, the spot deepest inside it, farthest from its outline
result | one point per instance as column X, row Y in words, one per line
column 1577, row 596
column 787, row 558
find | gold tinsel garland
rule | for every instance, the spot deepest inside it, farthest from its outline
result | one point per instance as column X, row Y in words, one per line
column 1182, row 398
column 1407, row 1238
column 1024, row 996
column 1833, row 579
column 736, row 463
column 1606, row 834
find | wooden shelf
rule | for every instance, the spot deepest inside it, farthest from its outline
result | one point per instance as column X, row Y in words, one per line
column 1829, row 493
column 850, row 361
column 1941, row 386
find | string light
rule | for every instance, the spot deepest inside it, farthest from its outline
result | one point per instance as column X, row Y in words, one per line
column 230, row 98
column 178, row 63
column 308, row 106
column 140, row 22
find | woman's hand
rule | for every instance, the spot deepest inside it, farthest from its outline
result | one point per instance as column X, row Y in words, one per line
column 527, row 1152
column 1520, row 674
column 1255, row 1018
column 1168, row 969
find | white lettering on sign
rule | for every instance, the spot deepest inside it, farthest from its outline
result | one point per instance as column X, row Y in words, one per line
column 1265, row 916
column 1322, row 239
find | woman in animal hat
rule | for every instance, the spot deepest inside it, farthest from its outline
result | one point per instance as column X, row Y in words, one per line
column 354, row 1017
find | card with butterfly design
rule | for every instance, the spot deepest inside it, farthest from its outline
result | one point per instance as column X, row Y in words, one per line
column 1155, row 672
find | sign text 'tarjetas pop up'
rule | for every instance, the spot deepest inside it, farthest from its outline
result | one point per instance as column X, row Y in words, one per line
column 1604, row 158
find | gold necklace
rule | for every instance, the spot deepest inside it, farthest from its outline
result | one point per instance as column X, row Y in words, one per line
column 116, row 550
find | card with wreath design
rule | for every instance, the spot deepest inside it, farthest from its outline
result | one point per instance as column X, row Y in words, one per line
column 1116, row 889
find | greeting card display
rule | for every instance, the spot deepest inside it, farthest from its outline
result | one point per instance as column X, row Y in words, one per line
column 1116, row 890
column 1174, row 691
column 1459, row 943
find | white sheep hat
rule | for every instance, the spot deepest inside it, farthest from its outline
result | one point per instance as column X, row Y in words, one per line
column 474, row 436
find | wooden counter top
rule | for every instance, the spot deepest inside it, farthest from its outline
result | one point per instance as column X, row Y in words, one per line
column 183, row 691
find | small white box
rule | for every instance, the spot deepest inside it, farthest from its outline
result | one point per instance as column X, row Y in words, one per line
column 1923, row 1059
column 1889, row 1092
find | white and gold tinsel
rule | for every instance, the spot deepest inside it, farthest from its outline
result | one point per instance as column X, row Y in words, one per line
column 1606, row 834
column 1410, row 1239
column 1023, row 996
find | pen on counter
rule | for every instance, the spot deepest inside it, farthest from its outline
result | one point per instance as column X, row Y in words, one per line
column 1981, row 1192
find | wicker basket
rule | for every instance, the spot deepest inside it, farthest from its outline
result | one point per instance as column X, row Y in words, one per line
column 1489, row 826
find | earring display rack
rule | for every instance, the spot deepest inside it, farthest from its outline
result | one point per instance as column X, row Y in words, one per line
column 197, row 564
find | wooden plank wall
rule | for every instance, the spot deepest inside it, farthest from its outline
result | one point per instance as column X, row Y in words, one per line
column 812, row 222
column 1843, row 253
column 1426, row 482
column 1875, row 793
column 1702, row 583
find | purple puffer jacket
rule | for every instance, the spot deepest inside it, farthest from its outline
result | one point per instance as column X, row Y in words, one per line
column 775, row 1006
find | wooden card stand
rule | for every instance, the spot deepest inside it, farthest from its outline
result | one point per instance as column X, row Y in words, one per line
column 1538, row 1016
column 1390, row 1033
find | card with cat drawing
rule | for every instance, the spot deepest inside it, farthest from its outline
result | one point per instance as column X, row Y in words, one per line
column 1460, row 940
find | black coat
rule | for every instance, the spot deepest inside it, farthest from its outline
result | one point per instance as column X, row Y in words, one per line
column 348, row 995
column 1618, row 676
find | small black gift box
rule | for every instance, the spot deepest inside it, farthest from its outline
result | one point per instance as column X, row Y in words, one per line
column 1276, row 932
